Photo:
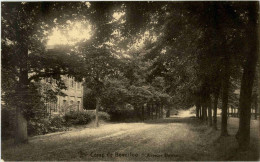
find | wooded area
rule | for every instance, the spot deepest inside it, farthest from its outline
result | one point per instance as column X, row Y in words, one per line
column 149, row 57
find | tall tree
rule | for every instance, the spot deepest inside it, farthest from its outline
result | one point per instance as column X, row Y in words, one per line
column 243, row 134
column 100, row 65
column 24, row 27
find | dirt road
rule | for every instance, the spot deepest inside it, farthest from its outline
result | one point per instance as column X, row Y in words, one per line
column 175, row 138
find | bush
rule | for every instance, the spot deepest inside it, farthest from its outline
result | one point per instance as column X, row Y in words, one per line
column 38, row 127
column 58, row 122
column 123, row 115
column 46, row 125
column 84, row 117
column 103, row 116
column 77, row 118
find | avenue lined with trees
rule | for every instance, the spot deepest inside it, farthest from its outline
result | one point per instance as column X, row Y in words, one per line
column 138, row 61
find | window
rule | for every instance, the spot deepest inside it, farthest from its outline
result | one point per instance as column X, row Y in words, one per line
column 71, row 102
column 55, row 108
column 78, row 105
column 63, row 106
column 79, row 85
column 66, row 81
column 71, row 82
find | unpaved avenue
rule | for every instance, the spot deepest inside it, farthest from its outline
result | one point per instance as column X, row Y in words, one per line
column 179, row 138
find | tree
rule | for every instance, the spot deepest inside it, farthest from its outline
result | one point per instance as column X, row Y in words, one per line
column 100, row 65
column 243, row 134
column 23, row 40
column 13, row 16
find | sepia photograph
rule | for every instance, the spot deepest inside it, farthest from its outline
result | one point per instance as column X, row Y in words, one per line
column 130, row 81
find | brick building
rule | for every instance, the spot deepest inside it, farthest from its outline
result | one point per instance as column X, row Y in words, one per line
column 73, row 99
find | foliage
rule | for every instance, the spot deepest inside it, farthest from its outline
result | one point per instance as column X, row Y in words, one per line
column 83, row 117
column 77, row 118
column 165, row 56
column 7, row 121
column 40, row 126
column 103, row 116
column 115, row 95
column 89, row 100
column 123, row 115
column 57, row 121
column 46, row 125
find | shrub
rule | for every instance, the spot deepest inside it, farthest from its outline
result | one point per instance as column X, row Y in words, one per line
column 58, row 122
column 77, row 118
column 84, row 117
column 123, row 115
column 38, row 127
column 46, row 125
column 103, row 116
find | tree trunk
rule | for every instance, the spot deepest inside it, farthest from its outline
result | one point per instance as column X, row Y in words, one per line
column 21, row 127
column 168, row 113
column 228, row 111
column 243, row 134
column 200, row 112
column 21, row 135
column 162, row 111
column 152, row 109
column 142, row 112
column 148, row 111
column 256, row 93
column 156, row 112
column 197, row 110
column 204, row 112
column 256, row 107
column 210, row 112
column 215, row 109
column 225, row 83
column 97, row 109
column 159, row 111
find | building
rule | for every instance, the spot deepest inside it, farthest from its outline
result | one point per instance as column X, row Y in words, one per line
column 71, row 100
